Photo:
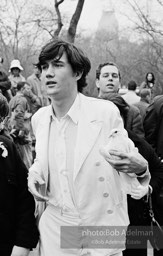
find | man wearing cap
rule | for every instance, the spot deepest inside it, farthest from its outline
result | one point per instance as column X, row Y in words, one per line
column 15, row 76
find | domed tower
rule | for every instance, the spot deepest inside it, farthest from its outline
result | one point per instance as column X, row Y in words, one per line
column 108, row 25
column 108, row 22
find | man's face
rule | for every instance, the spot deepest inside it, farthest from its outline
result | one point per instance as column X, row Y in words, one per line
column 109, row 80
column 37, row 71
column 27, row 87
column 60, row 80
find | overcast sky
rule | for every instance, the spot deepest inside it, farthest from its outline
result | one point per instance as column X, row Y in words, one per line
column 92, row 11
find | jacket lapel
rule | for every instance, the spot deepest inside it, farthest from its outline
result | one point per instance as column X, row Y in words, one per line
column 42, row 146
column 88, row 131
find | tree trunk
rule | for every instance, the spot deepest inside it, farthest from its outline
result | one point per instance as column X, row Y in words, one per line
column 59, row 20
column 74, row 21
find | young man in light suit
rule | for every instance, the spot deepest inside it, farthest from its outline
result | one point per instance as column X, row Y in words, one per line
column 79, row 186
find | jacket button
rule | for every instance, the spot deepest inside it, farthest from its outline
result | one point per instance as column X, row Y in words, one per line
column 63, row 172
column 109, row 211
column 101, row 179
column 97, row 164
column 105, row 195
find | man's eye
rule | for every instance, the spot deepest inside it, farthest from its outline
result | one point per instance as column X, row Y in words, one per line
column 43, row 67
column 58, row 65
column 115, row 75
column 105, row 75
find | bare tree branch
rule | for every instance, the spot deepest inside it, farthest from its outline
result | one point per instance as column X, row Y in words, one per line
column 160, row 2
column 59, row 20
column 74, row 21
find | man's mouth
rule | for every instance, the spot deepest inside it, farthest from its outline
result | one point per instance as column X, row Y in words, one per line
column 50, row 83
column 110, row 85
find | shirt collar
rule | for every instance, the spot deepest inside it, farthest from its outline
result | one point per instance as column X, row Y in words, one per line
column 73, row 112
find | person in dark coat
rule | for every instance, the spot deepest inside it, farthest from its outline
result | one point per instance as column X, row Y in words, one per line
column 133, row 120
column 153, row 125
column 108, row 83
column 18, row 233
column 155, row 185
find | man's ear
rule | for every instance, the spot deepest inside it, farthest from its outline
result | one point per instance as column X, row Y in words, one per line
column 78, row 75
column 97, row 83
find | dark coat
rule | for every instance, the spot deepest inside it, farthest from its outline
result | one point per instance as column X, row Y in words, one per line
column 136, row 207
column 17, row 221
column 134, row 121
column 156, row 171
column 142, row 105
column 153, row 125
column 131, row 114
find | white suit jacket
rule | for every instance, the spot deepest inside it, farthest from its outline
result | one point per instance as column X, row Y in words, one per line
column 99, row 189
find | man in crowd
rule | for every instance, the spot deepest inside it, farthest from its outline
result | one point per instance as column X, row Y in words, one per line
column 34, row 81
column 79, row 185
column 19, row 124
column 131, row 97
column 145, row 99
column 108, row 82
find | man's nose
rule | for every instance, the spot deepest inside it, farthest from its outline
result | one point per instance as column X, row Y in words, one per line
column 50, row 72
column 110, row 77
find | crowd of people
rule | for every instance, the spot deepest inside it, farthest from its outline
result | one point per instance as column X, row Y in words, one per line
column 91, row 162
column 25, row 97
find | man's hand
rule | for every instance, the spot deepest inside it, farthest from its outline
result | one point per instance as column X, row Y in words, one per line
column 127, row 162
column 137, row 192
column 19, row 251
column 34, row 183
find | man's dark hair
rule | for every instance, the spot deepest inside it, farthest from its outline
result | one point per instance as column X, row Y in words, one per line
column 76, row 58
column 132, row 85
column 98, row 71
column 37, row 65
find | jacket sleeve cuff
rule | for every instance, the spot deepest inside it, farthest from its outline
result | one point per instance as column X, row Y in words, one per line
column 143, row 174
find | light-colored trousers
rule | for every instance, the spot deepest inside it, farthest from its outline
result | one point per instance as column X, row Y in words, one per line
column 50, row 225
